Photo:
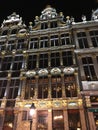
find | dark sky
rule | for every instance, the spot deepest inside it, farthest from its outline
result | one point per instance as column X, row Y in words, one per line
column 28, row 9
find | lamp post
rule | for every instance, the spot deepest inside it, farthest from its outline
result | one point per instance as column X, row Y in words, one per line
column 32, row 111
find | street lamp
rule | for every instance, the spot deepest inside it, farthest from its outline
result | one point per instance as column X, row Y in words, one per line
column 32, row 111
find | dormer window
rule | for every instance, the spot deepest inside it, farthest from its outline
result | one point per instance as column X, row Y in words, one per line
column 44, row 25
column 53, row 24
column 48, row 13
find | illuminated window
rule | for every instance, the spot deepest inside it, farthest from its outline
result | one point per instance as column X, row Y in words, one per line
column 13, row 88
column 42, row 120
column 43, row 87
column 74, row 119
column 8, row 120
column 58, row 120
column 30, row 88
column 56, row 87
column 70, row 86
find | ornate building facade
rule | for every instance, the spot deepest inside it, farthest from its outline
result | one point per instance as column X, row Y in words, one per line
column 52, row 63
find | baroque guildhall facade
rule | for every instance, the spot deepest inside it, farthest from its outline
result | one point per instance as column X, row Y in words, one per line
column 52, row 63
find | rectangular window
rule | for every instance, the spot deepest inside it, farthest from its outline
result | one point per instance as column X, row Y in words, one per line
column 44, row 25
column 94, row 37
column 97, row 58
column 70, row 86
column 30, row 88
column 42, row 120
column 55, row 59
column 82, row 40
column 33, row 44
column 32, row 60
column 21, row 44
column 43, row 60
column 17, row 62
column 74, row 119
column 65, row 39
column 15, row 74
column 26, row 115
column 89, row 69
column 3, row 74
column 43, row 42
column 54, row 40
column 1, row 121
column 53, row 24
column 8, row 120
column 67, row 57
column 6, row 63
column 5, row 32
column 43, row 87
column 58, row 120
column 56, row 87
column 2, row 46
column 11, row 45
column 13, row 88
column 3, row 85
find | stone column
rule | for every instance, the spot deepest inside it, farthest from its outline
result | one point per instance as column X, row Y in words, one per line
column 37, row 63
column 34, row 121
column 49, row 86
column 95, row 64
column 77, row 83
column 66, row 126
column 20, row 88
column 49, row 59
column 19, row 124
column 36, row 87
column 15, row 119
column 91, row 121
column 61, row 60
column 82, row 118
column 23, row 80
column 2, row 121
column 63, row 86
column 50, row 119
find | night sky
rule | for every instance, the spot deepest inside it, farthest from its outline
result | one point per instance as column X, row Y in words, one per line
column 28, row 9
